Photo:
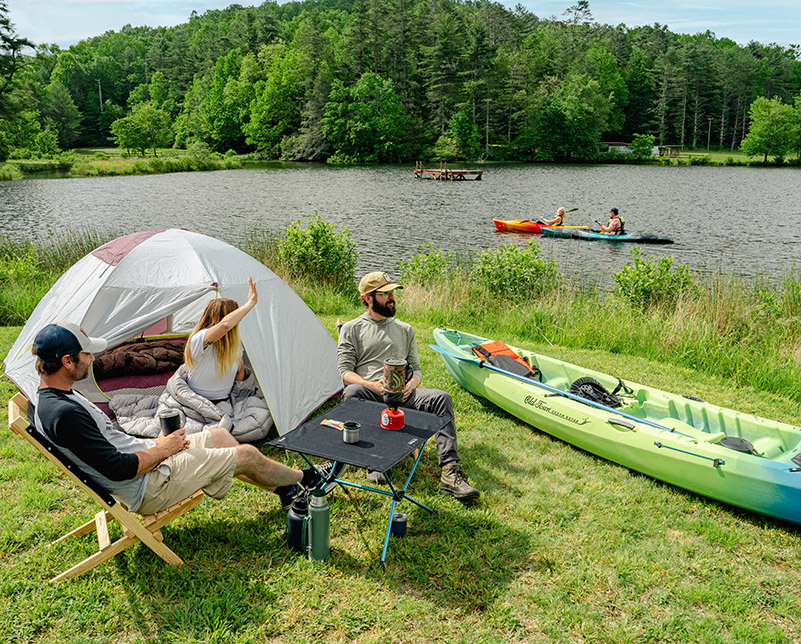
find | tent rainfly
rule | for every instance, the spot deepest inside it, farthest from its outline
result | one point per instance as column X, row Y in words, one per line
column 127, row 286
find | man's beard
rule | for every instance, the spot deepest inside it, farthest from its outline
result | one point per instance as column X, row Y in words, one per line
column 387, row 309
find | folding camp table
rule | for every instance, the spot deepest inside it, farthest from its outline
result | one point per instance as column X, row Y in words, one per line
column 378, row 449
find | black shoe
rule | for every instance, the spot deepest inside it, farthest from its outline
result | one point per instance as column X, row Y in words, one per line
column 323, row 476
column 287, row 494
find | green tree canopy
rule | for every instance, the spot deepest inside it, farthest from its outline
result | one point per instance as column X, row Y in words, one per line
column 11, row 55
column 366, row 122
column 147, row 127
column 773, row 129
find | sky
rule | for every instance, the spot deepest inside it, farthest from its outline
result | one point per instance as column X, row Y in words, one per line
column 65, row 22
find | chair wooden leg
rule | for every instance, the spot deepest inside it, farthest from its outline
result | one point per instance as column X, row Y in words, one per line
column 103, row 538
column 146, row 537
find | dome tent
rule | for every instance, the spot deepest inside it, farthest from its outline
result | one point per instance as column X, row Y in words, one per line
column 132, row 283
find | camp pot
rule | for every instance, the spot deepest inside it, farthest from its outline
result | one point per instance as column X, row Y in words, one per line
column 350, row 431
column 170, row 420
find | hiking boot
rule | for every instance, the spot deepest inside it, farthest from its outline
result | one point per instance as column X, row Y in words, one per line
column 323, row 474
column 454, row 483
column 376, row 477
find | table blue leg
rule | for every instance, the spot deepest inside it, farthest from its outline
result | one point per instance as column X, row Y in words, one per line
column 397, row 495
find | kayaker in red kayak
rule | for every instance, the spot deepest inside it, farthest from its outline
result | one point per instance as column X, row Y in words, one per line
column 615, row 225
column 557, row 220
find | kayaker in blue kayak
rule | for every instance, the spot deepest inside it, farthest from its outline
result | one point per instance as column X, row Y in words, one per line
column 557, row 220
column 615, row 225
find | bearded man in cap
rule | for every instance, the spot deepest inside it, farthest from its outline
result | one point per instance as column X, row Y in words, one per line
column 146, row 475
column 371, row 338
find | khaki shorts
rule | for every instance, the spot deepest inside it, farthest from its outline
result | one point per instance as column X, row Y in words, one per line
column 199, row 467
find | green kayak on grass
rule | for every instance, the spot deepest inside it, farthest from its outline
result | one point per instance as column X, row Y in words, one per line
column 734, row 457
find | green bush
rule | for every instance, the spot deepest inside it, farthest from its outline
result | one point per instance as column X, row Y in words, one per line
column 10, row 172
column 156, row 165
column 318, row 252
column 427, row 268
column 648, row 283
column 512, row 273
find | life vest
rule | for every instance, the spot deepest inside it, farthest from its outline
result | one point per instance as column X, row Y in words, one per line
column 499, row 355
column 622, row 230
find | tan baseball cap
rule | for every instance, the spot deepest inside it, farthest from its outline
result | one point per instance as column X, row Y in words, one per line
column 377, row 281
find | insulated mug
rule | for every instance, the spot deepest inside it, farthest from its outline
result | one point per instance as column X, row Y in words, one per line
column 170, row 420
column 350, row 431
column 398, row 526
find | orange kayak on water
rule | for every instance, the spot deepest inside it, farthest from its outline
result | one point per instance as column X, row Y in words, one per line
column 524, row 225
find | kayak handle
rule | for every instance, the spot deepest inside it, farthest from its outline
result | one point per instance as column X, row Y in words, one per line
column 622, row 423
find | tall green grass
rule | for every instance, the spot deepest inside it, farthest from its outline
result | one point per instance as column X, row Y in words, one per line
column 747, row 331
column 28, row 270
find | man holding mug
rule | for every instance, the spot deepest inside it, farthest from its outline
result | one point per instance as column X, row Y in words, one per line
column 147, row 475
column 371, row 338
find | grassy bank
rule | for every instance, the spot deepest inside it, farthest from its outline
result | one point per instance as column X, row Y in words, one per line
column 563, row 546
column 114, row 162
column 110, row 162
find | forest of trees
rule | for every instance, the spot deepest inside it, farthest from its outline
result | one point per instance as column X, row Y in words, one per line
column 390, row 80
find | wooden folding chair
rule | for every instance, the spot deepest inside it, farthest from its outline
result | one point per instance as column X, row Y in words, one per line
column 147, row 530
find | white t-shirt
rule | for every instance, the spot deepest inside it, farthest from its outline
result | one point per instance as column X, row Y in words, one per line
column 204, row 378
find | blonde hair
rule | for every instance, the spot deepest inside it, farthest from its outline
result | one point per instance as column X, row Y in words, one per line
column 560, row 211
column 229, row 347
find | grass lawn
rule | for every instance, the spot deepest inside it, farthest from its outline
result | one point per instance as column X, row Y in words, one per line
column 562, row 547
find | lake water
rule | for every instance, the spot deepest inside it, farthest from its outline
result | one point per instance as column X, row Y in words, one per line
column 741, row 220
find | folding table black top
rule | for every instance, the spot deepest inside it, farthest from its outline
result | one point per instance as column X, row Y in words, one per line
column 379, row 449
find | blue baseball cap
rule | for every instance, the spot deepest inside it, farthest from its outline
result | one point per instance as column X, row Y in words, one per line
column 65, row 339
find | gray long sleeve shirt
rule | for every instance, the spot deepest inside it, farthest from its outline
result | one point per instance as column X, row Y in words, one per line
column 364, row 344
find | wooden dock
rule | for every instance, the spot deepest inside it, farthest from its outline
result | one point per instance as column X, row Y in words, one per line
column 444, row 173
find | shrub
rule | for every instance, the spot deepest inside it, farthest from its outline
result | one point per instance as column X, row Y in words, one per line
column 642, row 144
column 318, row 252
column 427, row 268
column 512, row 273
column 647, row 282
column 10, row 172
column 156, row 165
column 22, row 153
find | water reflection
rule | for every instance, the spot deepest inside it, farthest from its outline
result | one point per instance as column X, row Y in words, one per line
column 744, row 220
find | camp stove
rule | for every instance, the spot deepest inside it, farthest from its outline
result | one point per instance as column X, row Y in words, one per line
column 395, row 372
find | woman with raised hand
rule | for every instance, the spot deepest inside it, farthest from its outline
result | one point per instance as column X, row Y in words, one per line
column 213, row 353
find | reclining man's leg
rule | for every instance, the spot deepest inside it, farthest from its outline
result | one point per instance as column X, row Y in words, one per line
column 254, row 467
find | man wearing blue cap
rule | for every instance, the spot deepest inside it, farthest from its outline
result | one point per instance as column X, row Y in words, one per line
column 146, row 475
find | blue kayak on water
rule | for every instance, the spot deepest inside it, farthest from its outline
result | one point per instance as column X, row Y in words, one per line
column 586, row 233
